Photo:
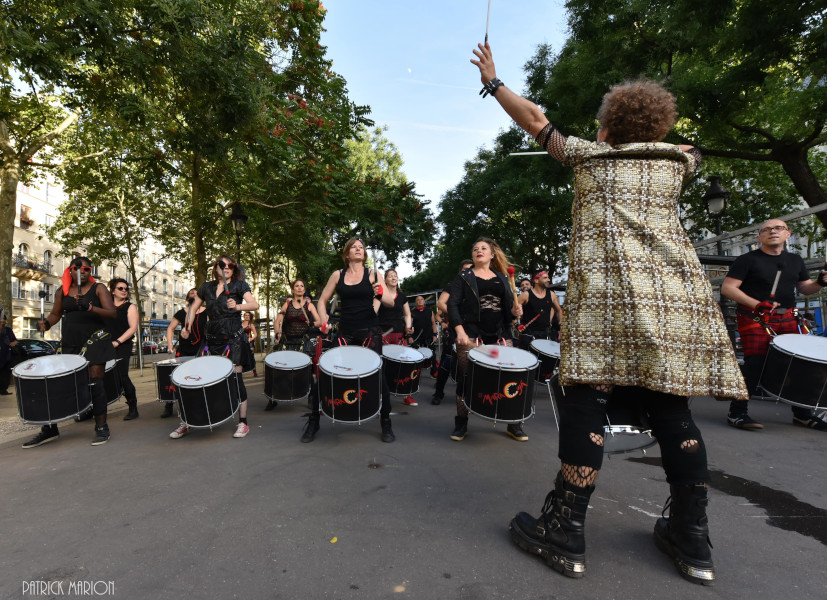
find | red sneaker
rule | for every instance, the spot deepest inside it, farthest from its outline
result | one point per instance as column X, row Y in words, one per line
column 410, row 401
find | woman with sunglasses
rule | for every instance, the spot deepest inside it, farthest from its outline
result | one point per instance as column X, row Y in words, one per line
column 356, row 286
column 122, row 329
column 226, row 297
column 85, row 306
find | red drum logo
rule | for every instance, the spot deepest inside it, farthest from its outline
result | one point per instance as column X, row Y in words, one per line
column 29, row 366
column 510, row 390
column 193, row 378
column 349, row 397
column 412, row 377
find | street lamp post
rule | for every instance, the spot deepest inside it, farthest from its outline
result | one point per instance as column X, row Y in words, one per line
column 716, row 198
column 239, row 220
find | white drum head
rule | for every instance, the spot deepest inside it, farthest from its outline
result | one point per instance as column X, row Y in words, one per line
column 53, row 365
column 202, row 372
column 503, row 357
column 813, row 347
column 426, row 353
column 403, row 354
column 350, row 361
column 546, row 347
column 110, row 364
column 174, row 362
column 287, row 360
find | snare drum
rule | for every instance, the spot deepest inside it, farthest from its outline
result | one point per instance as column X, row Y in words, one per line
column 112, row 382
column 51, row 389
column 350, row 384
column 617, row 438
column 549, row 354
column 207, row 392
column 287, row 375
column 166, row 391
column 501, row 387
column 401, row 366
column 795, row 370
column 427, row 358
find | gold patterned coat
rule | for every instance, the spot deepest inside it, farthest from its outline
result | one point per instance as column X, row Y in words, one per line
column 639, row 309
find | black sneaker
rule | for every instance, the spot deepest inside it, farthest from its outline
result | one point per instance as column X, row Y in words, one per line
column 310, row 430
column 46, row 435
column 743, row 422
column 101, row 435
column 167, row 411
column 460, row 429
column 813, row 422
column 515, row 430
column 436, row 400
column 271, row 404
column 387, row 431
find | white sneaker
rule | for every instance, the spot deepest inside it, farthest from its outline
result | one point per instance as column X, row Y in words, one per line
column 180, row 432
column 241, row 431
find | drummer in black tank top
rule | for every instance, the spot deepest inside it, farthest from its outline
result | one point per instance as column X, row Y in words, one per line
column 356, row 287
column 122, row 329
column 540, row 305
column 84, row 309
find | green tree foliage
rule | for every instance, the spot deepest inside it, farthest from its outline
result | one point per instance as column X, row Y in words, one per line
column 523, row 202
column 749, row 76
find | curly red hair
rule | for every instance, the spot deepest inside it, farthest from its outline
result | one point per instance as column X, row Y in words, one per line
column 639, row 110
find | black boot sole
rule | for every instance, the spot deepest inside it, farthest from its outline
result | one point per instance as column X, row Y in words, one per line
column 702, row 575
column 574, row 567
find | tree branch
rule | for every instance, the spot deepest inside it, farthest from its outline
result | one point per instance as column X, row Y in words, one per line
column 736, row 154
column 755, row 130
column 42, row 140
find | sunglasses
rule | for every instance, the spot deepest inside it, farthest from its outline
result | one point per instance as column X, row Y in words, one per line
column 224, row 265
column 121, row 288
column 82, row 268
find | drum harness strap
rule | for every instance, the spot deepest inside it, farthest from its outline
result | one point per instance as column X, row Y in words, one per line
column 758, row 318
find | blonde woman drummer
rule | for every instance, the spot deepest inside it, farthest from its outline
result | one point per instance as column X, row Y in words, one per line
column 356, row 286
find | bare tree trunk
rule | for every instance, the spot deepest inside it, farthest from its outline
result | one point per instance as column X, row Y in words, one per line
column 9, row 178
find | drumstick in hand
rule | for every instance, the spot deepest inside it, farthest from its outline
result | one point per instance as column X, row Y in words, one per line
column 511, row 272
column 490, row 351
column 775, row 283
column 487, row 17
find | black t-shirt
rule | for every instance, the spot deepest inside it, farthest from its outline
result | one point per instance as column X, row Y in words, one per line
column 393, row 316
column 421, row 321
column 217, row 307
column 189, row 346
column 757, row 270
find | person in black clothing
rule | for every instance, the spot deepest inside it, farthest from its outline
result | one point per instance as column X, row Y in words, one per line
column 749, row 283
column 84, row 309
column 7, row 342
column 424, row 325
column 539, row 305
column 224, row 335
column 122, row 329
column 481, row 307
column 356, row 286
column 395, row 319
column 189, row 338
column 447, row 356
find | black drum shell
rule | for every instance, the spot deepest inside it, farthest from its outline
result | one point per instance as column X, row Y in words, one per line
column 794, row 379
column 209, row 406
column 287, row 384
column 402, row 377
column 53, row 399
column 548, row 364
column 333, row 390
column 505, row 395
column 112, row 384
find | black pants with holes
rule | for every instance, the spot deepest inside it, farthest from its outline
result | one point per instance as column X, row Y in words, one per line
column 583, row 416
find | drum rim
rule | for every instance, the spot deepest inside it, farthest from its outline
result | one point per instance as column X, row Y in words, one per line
column 790, row 336
column 502, row 367
column 340, row 349
column 282, row 352
column 541, row 351
column 627, row 429
column 204, row 385
column 80, row 367
column 177, row 361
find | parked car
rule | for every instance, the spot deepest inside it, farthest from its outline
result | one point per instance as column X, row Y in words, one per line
column 150, row 347
column 27, row 348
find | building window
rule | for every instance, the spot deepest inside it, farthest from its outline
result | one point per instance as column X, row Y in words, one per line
column 18, row 289
column 49, row 289
column 113, row 271
column 30, row 329
column 165, row 287
column 165, row 310
column 154, row 309
column 23, row 251
column 47, row 261
column 154, row 284
column 25, row 217
column 50, row 220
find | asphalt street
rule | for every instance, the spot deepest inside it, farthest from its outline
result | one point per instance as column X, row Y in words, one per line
column 347, row 516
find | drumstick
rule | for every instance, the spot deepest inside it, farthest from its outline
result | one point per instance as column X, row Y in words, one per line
column 490, row 351
column 78, row 272
column 189, row 311
column 487, row 16
column 511, row 272
column 224, row 279
column 775, row 283
column 42, row 294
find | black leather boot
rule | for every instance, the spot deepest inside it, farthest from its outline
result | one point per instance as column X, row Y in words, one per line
column 133, row 410
column 558, row 534
column 460, row 429
column 684, row 535
column 387, row 431
column 167, row 410
column 310, row 429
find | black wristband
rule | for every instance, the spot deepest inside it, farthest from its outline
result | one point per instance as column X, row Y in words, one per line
column 48, row 325
column 491, row 87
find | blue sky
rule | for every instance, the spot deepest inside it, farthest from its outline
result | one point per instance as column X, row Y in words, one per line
column 409, row 61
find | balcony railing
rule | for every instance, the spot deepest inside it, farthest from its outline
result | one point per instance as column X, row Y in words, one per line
column 31, row 261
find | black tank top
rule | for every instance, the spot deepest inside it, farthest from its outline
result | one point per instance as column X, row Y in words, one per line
column 117, row 326
column 78, row 325
column 356, row 302
column 393, row 316
column 537, row 306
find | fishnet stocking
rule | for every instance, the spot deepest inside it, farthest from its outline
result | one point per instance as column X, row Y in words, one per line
column 552, row 141
column 579, row 476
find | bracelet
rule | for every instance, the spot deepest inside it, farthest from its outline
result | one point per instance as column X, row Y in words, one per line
column 491, row 87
